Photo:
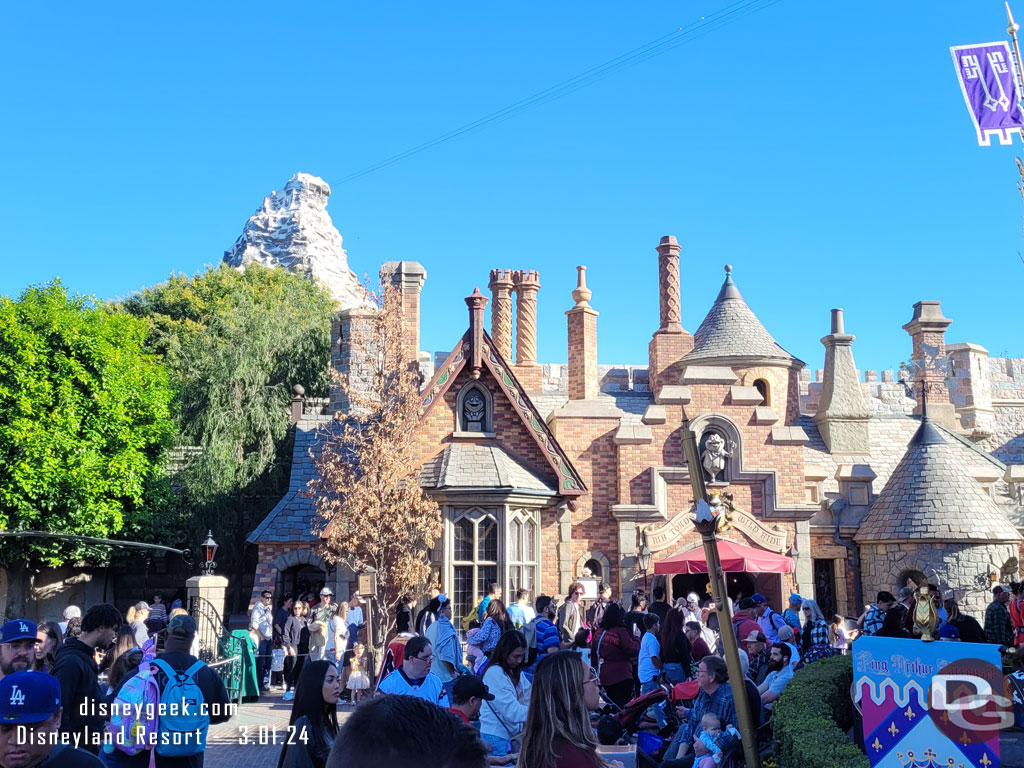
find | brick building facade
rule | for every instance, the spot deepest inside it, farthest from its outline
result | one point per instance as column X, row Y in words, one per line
column 546, row 471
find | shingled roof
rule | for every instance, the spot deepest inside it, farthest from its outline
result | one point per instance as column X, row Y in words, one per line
column 486, row 466
column 292, row 517
column 731, row 329
column 932, row 496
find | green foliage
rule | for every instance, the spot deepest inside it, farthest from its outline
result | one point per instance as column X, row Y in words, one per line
column 235, row 343
column 84, row 420
column 812, row 716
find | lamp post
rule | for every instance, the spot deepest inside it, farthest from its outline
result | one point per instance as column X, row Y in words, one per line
column 209, row 552
column 368, row 589
column 706, row 523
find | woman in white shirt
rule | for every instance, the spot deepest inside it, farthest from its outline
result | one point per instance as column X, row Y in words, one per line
column 337, row 634
column 502, row 720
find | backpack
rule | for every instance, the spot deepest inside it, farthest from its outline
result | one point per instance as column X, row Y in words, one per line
column 184, row 718
column 772, row 622
column 530, row 633
column 133, row 715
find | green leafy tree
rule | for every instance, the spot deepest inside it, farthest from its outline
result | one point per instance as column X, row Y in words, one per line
column 235, row 344
column 84, row 422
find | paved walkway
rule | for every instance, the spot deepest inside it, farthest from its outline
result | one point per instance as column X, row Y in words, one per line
column 253, row 738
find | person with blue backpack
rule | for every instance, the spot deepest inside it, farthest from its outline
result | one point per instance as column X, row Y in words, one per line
column 191, row 697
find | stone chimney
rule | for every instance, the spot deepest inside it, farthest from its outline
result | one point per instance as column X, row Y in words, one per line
column 929, row 365
column 526, row 284
column 501, row 311
column 843, row 415
column 407, row 277
column 972, row 389
column 670, row 341
column 477, row 303
column 352, row 342
column 583, row 380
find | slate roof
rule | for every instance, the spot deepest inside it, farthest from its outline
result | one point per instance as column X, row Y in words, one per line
column 476, row 465
column 293, row 516
column 731, row 329
column 931, row 495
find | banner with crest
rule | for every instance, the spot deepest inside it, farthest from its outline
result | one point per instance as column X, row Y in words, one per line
column 987, row 81
column 930, row 705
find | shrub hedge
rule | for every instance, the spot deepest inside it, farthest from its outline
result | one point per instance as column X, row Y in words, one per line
column 810, row 719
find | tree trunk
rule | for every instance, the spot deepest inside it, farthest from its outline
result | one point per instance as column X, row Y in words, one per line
column 20, row 580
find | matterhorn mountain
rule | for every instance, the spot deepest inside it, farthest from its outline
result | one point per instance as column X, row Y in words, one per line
column 293, row 230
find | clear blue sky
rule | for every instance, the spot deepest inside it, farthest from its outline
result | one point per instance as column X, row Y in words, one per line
column 821, row 148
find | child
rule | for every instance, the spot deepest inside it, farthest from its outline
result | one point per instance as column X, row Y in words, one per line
column 277, row 663
column 358, row 681
column 711, row 730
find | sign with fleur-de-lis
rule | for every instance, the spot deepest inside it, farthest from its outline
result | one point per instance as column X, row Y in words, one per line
column 926, row 705
column 987, row 81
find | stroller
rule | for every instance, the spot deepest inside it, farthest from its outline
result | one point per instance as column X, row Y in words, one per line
column 631, row 724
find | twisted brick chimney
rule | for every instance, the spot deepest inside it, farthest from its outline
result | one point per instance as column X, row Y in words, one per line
column 501, row 311
column 670, row 341
column 526, row 284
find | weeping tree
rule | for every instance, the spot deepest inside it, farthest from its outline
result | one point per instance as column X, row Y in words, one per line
column 235, row 343
column 371, row 509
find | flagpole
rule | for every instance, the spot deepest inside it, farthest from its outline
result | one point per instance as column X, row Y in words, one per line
column 1011, row 29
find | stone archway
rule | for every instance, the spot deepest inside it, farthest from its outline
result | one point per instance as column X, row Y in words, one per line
column 304, row 556
column 601, row 559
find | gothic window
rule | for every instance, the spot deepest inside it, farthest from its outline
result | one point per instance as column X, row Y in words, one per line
column 716, row 454
column 523, row 545
column 474, row 558
column 761, row 385
column 475, row 408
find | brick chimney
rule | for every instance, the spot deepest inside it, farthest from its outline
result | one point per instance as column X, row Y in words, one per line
column 526, row 284
column 477, row 303
column 583, row 381
column 501, row 311
column 843, row 415
column 670, row 341
column 407, row 277
column 929, row 364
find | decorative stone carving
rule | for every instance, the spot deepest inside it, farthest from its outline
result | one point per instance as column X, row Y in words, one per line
column 716, row 453
column 474, row 411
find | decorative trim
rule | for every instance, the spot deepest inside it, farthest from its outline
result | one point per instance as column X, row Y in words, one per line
column 570, row 482
column 444, row 376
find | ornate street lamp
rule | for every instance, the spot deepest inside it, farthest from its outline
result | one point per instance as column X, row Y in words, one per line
column 706, row 522
column 209, row 552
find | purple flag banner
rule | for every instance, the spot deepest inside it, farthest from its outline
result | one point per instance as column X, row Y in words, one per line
column 986, row 78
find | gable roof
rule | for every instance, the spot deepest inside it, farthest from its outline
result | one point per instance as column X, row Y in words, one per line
column 931, row 495
column 569, row 481
column 731, row 329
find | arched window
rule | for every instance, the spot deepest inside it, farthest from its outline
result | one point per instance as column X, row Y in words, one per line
column 595, row 568
column 523, row 563
column 761, row 385
column 474, row 558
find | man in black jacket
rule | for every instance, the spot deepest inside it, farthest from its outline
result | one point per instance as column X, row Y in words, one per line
column 181, row 631
column 75, row 670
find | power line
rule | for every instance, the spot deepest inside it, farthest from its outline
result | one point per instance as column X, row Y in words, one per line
column 697, row 29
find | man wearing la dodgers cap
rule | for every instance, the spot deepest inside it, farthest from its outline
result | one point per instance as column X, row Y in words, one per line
column 17, row 646
column 30, row 710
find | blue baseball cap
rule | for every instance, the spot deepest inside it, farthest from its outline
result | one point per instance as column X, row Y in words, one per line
column 759, row 599
column 18, row 629
column 28, row 697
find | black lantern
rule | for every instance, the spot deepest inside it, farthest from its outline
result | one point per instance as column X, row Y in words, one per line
column 643, row 557
column 209, row 552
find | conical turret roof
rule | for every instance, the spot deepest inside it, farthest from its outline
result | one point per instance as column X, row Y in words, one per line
column 731, row 329
column 932, row 496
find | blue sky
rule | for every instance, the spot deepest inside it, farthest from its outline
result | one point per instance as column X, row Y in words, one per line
column 823, row 149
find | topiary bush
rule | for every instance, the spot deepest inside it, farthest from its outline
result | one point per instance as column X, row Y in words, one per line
column 810, row 719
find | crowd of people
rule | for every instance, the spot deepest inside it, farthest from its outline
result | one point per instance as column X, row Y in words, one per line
column 68, row 690
column 515, row 685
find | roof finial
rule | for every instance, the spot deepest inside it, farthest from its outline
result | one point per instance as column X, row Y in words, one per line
column 729, row 289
